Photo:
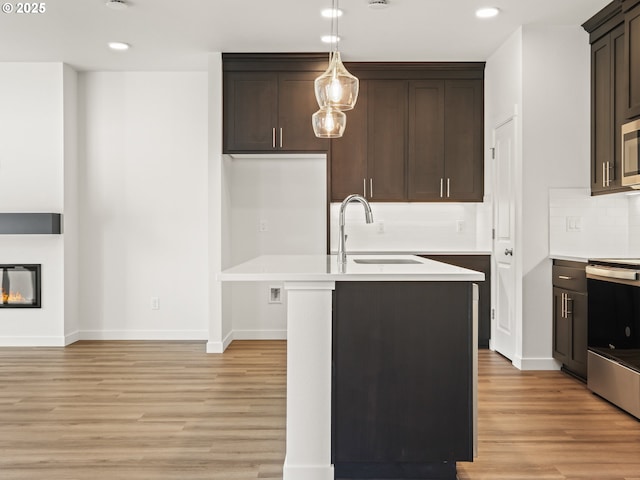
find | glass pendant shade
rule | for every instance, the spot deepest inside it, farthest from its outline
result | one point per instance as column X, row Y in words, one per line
column 329, row 123
column 336, row 88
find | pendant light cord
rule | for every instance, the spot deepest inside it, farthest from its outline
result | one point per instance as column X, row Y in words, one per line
column 334, row 24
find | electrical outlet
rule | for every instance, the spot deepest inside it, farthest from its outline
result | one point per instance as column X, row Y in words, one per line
column 275, row 295
column 460, row 226
column 380, row 227
column 263, row 226
column 155, row 303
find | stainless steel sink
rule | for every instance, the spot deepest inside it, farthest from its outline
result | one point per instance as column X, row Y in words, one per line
column 385, row 261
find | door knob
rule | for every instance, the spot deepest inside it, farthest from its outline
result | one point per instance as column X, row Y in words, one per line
column 508, row 251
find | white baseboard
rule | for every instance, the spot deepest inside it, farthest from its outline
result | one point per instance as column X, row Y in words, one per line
column 72, row 337
column 220, row 347
column 536, row 363
column 143, row 335
column 259, row 334
column 32, row 341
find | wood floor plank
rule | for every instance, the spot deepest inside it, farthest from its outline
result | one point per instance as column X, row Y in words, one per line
column 168, row 411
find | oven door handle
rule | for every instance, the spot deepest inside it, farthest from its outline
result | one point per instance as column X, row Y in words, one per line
column 612, row 272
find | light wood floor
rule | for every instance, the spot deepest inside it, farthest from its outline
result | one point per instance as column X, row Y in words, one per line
column 167, row 410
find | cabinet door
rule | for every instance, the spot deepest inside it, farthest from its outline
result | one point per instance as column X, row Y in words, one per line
column 632, row 61
column 296, row 104
column 426, row 140
column 601, row 112
column 608, row 111
column 386, row 139
column 250, row 111
column 349, row 153
column 561, row 327
column 463, row 145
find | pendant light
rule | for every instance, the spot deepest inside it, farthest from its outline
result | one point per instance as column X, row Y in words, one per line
column 329, row 123
column 336, row 90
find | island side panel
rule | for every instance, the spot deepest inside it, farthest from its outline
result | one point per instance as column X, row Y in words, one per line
column 308, row 448
column 403, row 378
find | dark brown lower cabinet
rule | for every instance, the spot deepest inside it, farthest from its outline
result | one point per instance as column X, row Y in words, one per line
column 402, row 379
column 570, row 303
column 479, row 263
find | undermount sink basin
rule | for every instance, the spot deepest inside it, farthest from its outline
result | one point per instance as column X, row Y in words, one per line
column 385, row 261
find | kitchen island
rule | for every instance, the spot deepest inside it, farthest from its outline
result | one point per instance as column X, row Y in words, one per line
column 412, row 413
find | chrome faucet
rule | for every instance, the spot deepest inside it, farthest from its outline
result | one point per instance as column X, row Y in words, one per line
column 354, row 197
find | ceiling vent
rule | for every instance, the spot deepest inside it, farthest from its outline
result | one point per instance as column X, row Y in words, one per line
column 116, row 4
column 378, row 4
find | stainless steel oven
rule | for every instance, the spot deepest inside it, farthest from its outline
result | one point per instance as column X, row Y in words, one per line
column 613, row 355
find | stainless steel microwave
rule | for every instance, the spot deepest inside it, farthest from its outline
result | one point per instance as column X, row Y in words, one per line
column 631, row 154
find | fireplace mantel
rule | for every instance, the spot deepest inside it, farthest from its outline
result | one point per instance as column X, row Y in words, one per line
column 30, row 223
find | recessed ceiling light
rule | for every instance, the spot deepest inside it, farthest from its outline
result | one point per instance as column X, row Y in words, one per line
column 116, row 4
column 331, row 13
column 119, row 46
column 330, row 38
column 487, row 12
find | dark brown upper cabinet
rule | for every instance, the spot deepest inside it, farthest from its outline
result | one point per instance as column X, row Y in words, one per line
column 631, row 9
column 416, row 134
column 609, row 109
column 446, row 141
column 365, row 159
column 268, row 102
column 386, row 140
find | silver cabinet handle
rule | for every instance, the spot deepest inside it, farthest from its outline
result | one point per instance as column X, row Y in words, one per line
column 273, row 137
column 564, row 277
column 604, row 183
column 508, row 251
column 364, row 187
column 371, row 187
column 562, row 305
column 448, row 187
column 280, row 137
column 441, row 186
column 608, row 174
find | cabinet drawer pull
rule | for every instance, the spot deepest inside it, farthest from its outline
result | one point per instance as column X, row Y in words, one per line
column 564, row 277
column 448, row 187
column 441, row 187
column 364, row 187
column 273, row 137
column 280, row 137
column 371, row 187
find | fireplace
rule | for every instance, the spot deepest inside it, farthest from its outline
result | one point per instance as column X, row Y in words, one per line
column 20, row 286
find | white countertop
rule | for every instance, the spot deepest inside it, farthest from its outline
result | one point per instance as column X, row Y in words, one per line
column 313, row 268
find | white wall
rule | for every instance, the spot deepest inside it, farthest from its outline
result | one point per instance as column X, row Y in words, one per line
column 556, row 146
column 71, row 202
column 286, row 196
column 541, row 72
column 32, row 162
column 143, row 215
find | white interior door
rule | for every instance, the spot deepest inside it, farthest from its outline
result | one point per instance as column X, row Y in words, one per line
column 503, row 325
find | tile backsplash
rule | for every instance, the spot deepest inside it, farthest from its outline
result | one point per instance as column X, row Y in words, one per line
column 416, row 227
column 581, row 225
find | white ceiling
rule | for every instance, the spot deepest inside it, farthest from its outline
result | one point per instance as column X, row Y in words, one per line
column 177, row 34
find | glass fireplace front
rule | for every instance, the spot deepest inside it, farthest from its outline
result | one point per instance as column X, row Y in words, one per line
column 20, row 286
